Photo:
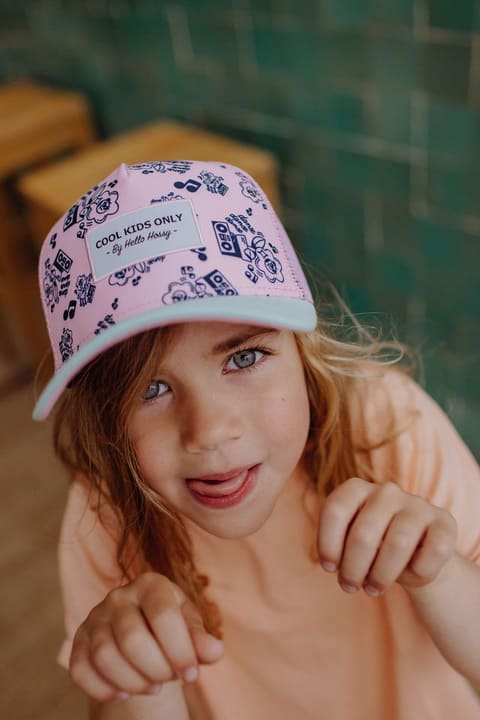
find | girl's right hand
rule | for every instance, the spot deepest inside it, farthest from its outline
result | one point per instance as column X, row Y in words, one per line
column 142, row 635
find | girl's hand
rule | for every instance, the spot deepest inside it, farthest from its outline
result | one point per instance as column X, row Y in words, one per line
column 375, row 535
column 142, row 635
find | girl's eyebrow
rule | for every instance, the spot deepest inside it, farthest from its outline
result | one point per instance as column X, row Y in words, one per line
column 252, row 333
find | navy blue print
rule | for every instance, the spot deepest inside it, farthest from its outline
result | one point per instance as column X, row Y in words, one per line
column 69, row 312
column 104, row 324
column 147, row 168
column 241, row 223
column 63, row 262
column 53, row 241
column 71, row 217
column 250, row 191
column 66, row 344
column 93, row 208
column 266, row 264
column 260, row 255
column 56, row 280
column 213, row 182
column 201, row 253
column 84, row 289
column 227, row 242
column 133, row 272
column 187, row 287
column 167, row 198
column 219, row 283
column 190, row 184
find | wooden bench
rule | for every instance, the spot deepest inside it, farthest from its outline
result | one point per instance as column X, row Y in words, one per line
column 50, row 191
column 37, row 124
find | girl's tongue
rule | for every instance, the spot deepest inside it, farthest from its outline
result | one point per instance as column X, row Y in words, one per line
column 218, row 488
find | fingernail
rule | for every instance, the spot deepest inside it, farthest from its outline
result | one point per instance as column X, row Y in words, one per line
column 348, row 588
column 215, row 640
column 373, row 591
column 122, row 696
column 328, row 566
column 191, row 674
column 154, row 689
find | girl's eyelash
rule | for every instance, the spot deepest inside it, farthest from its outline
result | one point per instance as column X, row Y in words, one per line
column 155, row 397
column 256, row 348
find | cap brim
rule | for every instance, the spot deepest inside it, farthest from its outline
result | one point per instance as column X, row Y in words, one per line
column 285, row 313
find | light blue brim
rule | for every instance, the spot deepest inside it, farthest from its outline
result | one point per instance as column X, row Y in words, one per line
column 279, row 312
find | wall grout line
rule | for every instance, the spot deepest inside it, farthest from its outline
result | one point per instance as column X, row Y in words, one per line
column 373, row 230
column 180, row 34
column 242, row 22
column 419, row 137
column 473, row 96
column 420, row 19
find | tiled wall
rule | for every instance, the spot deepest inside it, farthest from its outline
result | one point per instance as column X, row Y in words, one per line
column 372, row 107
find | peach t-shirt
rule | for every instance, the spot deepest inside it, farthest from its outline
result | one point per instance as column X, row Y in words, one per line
column 296, row 646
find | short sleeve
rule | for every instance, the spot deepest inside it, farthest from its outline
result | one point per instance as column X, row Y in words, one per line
column 428, row 457
column 88, row 567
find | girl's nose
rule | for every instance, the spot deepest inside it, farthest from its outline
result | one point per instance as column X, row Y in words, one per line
column 210, row 421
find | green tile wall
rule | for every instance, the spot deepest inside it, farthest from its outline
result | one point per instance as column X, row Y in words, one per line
column 371, row 106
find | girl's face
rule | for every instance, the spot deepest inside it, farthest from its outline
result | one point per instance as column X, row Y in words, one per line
column 223, row 424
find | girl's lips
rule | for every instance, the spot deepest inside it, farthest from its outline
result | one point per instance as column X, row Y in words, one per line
column 220, row 477
column 218, row 485
column 225, row 493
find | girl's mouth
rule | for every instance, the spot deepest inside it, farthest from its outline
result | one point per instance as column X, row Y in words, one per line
column 223, row 490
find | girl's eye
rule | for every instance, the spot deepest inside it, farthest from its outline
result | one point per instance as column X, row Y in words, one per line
column 156, row 389
column 244, row 359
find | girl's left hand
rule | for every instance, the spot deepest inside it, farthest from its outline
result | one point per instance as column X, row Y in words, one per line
column 374, row 535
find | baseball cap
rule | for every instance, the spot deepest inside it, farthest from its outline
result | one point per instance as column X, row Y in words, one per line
column 164, row 242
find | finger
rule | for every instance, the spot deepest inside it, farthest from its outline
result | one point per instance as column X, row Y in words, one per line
column 170, row 629
column 109, row 662
column 401, row 540
column 337, row 513
column 363, row 541
column 437, row 547
column 87, row 678
column 208, row 648
column 140, row 651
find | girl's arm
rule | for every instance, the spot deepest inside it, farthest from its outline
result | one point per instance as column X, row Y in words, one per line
column 175, row 702
column 375, row 535
column 168, row 705
column 449, row 607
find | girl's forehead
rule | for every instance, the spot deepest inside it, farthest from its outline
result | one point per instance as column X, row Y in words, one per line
column 214, row 337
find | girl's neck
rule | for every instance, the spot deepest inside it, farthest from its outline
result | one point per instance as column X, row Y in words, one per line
column 289, row 533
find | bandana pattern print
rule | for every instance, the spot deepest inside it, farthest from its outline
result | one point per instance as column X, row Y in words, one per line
column 93, row 208
column 179, row 166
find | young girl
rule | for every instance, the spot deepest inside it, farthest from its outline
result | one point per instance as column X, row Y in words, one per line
column 266, row 520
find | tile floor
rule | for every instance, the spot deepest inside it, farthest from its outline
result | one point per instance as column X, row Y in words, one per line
column 33, row 489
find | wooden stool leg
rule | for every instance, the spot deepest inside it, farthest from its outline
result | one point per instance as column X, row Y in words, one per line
column 19, row 292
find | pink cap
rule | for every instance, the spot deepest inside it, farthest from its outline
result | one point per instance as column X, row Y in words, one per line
column 161, row 243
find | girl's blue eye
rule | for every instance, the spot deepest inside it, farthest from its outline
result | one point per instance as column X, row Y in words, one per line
column 244, row 359
column 156, row 389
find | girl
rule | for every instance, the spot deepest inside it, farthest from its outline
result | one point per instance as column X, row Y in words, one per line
column 266, row 521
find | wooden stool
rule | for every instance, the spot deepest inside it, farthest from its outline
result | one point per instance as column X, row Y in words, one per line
column 37, row 124
column 49, row 192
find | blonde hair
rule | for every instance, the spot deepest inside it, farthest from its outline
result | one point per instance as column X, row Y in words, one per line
column 91, row 437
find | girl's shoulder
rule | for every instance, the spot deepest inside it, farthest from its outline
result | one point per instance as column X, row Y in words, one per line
column 388, row 401
column 383, row 401
column 406, row 436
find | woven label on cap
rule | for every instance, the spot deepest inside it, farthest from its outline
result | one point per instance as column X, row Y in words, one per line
column 156, row 230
